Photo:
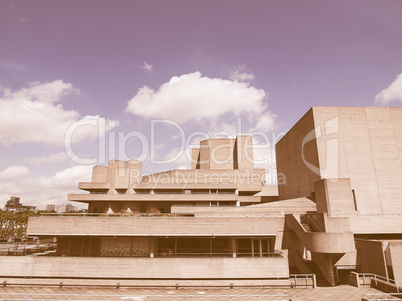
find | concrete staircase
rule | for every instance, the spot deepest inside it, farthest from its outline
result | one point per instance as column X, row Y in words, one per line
column 307, row 227
column 321, row 281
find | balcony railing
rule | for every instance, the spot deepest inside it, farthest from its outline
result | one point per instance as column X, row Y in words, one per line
column 169, row 192
column 204, row 205
column 376, row 278
column 276, row 253
column 22, row 250
column 117, row 214
column 303, row 280
column 381, row 297
column 231, row 297
column 209, row 214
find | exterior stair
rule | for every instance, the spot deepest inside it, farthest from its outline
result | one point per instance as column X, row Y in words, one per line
column 307, row 227
column 321, row 281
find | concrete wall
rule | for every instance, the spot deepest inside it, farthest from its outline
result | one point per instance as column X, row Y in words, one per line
column 396, row 259
column 334, row 197
column 371, row 257
column 299, row 179
column 363, row 144
column 243, row 153
column 216, row 154
column 248, row 179
column 197, row 209
column 357, row 224
column 375, row 224
column 195, row 158
column 153, row 197
column 319, row 242
column 142, row 268
column 147, row 226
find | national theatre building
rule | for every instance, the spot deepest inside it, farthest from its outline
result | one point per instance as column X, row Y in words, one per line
column 338, row 210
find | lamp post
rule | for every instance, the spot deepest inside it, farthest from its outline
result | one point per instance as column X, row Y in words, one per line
column 10, row 240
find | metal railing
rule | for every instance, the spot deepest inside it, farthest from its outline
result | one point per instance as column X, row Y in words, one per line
column 170, row 192
column 204, row 205
column 133, row 214
column 359, row 214
column 22, row 250
column 306, row 216
column 172, row 297
column 276, row 253
column 381, row 297
column 364, row 276
column 303, row 280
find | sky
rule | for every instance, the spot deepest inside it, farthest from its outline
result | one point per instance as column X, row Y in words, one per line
column 84, row 82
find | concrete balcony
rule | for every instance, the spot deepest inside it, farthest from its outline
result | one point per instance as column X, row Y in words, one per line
column 153, row 197
column 375, row 224
column 254, row 268
column 321, row 242
column 96, row 186
column 192, row 209
column 151, row 226
column 357, row 223
column 93, row 186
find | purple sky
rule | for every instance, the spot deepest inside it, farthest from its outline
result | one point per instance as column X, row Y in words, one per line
column 266, row 62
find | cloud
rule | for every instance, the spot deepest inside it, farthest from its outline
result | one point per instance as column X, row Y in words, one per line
column 24, row 20
column 52, row 158
column 191, row 97
column 392, row 93
column 239, row 74
column 147, row 67
column 47, row 190
column 14, row 172
column 66, row 179
column 204, row 108
column 11, row 65
column 265, row 122
column 34, row 114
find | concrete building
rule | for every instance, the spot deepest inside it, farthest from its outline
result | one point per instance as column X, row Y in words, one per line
column 348, row 160
column 66, row 208
column 338, row 209
column 13, row 204
column 222, row 174
column 145, row 229
column 50, row 207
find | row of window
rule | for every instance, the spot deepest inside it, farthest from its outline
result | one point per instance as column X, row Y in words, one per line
column 169, row 191
column 165, row 246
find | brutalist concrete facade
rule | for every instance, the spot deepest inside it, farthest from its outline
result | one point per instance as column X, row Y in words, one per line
column 193, row 226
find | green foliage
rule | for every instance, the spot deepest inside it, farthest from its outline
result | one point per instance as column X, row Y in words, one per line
column 14, row 223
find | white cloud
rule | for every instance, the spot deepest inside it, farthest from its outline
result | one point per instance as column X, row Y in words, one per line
column 265, row 122
column 240, row 74
column 208, row 107
column 392, row 93
column 52, row 158
column 191, row 97
column 24, row 20
column 14, row 171
column 66, row 179
column 11, row 65
column 33, row 114
column 147, row 67
column 47, row 190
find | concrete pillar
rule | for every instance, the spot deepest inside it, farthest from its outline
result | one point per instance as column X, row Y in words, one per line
column 325, row 264
column 233, row 244
column 152, row 249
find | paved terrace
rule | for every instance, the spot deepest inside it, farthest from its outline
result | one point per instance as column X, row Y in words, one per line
column 339, row 293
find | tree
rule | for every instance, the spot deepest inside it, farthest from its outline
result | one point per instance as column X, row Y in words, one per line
column 14, row 223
